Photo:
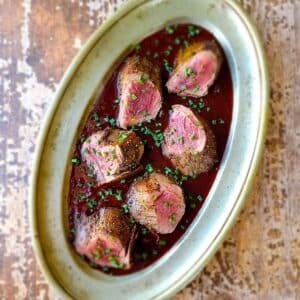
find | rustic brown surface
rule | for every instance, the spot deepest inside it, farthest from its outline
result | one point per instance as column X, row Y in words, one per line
column 261, row 257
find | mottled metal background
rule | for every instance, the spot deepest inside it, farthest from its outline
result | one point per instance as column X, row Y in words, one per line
column 261, row 257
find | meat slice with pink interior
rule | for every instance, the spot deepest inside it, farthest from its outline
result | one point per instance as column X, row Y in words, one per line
column 156, row 202
column 140, row 92
column 112, row 154
column 197, row 68
column 189, row 142
column 106, row 238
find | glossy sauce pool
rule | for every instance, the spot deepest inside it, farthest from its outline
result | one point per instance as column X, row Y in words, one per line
column 161, row 48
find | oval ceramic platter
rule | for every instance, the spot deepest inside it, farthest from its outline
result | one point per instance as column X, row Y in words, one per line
column 85, row 78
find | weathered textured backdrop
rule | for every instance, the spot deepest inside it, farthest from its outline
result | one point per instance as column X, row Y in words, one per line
column 261, row 257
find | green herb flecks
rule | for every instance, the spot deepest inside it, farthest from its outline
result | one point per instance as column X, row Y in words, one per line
column 193, row 205
column 218, row 122
column 177, row 41
column 144, row 255
column 118, row 195
column 149, row 168
column 143, row 78
column 170, row 30
column 186, row 44
column 144, row 231
column 115, row 262
column 75, row 161
column 188, row 72
column 162, row 243
column 183, row 87
column 92, row 203
column 106, row 251
column 111, row 121
column 193, row 31
column 156, row 135
column 122, row 137
column 125, row 208
column 175, row 174
column 133, row 97
column 198, row 106
column 96, row 255
column 172, row 218
column 167, row 66
column 199, row 198
column 104, row 194
column 180, row 140
column 137, row 47
column 169, row 50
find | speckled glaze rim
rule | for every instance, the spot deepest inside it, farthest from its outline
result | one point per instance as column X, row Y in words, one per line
column 257, row 154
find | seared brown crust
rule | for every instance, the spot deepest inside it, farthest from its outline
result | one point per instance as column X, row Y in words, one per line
column 192, row 164
column 137, row 64
column 132, row 149
column 113, row 222
column 142, row 206
column 187, row 53
column 142, row 197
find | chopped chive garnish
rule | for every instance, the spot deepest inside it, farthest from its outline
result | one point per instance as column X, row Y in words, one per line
column 92, row 203
column 172, row 218
column 79, row 184
column 118, row 195
column 96, row 254
column 199, row 198
column 192, row 137
column 170, row 30
column 111, row 121
column 122, row 137
column 90, row 184
column 179, row 179
column 144, row 77
column 167, row 66
column 193, row 205
column 145, row 114
column 133, row 96
column 193, row 31
column 131, row 220
column 96, row 117
column 188, row 72
column 117, row 101
column 149, row 168
column 105, row 269
column 162, row 243
column 75, row 161
column 125, row 208
column 186, row 44
column 106, row 251
column 115, row 262
column 177, row 41
column 137, row 47
column 144, row 255
column 180, row 140
column 144, row 231
column 183, row 87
